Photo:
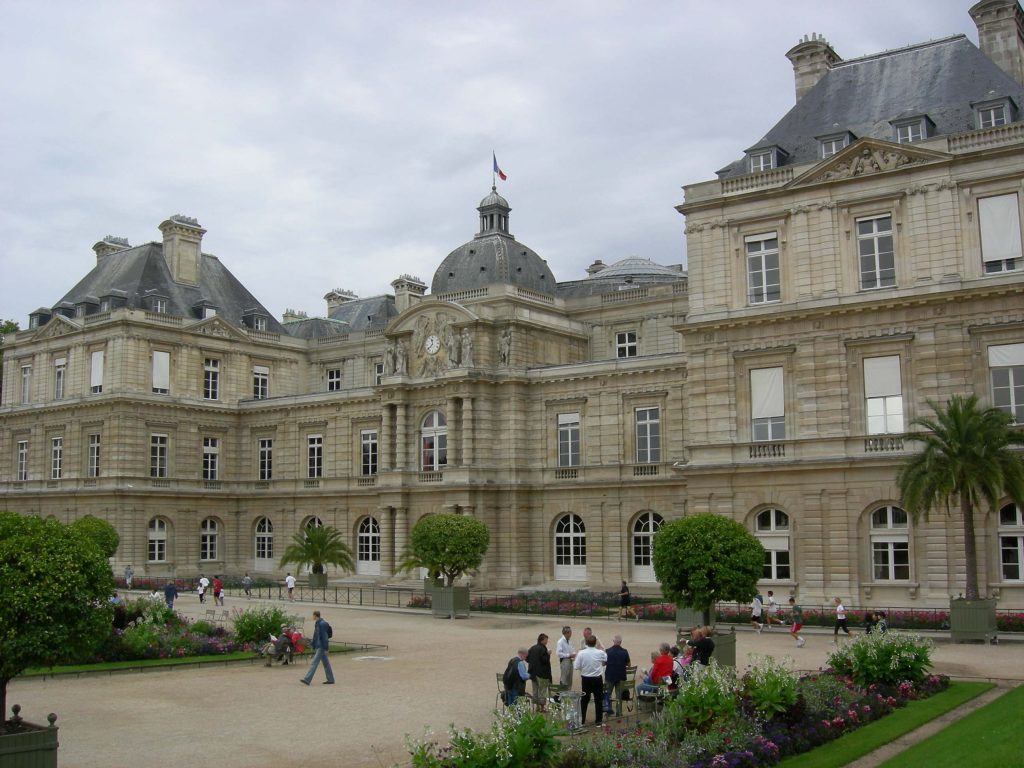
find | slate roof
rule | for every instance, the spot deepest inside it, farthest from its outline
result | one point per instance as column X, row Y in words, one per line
column 939, row 79
column 366, row 314
column 631, row 272
column 315, row 328
column 142, row 271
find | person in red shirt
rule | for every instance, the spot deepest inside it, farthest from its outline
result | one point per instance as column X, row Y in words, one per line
column 218, row 591
column 660, row 669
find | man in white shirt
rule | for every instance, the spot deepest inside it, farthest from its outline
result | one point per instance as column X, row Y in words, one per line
column 289, row 581
column 201, row 589
column 587, row 634
column 590, row 662
column 565, row 653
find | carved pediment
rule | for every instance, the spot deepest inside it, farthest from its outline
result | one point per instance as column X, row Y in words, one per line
column 866, row 157
column 216, row 326
column 58, row 326
column 429, row 339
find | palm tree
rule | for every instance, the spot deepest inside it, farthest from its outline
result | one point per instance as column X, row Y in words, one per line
column 318, row 546
column 967, row 459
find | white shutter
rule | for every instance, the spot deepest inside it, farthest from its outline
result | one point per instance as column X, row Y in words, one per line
column 1000, row 227
column 162, row 370
column 882, row 376
column 767, row 398
column 1003, row 355
column 96, row 371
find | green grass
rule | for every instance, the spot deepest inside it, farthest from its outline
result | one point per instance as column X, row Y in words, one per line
column 856, row 744
column 990, row 736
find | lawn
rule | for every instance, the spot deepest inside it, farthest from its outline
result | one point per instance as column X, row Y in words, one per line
column 990, row 736
column 852, row 746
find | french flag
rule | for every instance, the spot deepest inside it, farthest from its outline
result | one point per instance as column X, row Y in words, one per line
column 497, row 170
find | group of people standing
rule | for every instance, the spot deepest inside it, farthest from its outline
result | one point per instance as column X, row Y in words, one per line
column 218, row 589
column 601, row 670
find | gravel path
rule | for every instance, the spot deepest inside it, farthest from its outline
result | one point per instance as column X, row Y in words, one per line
column 434, row 672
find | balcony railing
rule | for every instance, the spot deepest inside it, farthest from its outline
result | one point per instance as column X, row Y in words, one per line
column 767, row 450
column 645, row 470
column 431, row 477
column 567, row 473
column 883, row 444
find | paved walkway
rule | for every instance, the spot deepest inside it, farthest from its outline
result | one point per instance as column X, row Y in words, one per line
column 435, row 672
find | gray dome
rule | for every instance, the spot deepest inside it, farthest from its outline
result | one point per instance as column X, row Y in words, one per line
column 637, row 267
column 492, row 259
column 493, row 199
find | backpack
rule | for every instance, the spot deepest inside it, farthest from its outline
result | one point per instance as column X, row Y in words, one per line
column 511, row 677
column 330, row 631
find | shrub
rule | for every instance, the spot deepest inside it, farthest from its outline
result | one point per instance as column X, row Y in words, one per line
column 710, row 693
column 883, row 658
column 201, row 627
column 825, row 693
column 254, row 625
column 770, row 686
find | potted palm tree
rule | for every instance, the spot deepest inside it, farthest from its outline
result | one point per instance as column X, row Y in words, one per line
column 317, row 547
column 967, row 461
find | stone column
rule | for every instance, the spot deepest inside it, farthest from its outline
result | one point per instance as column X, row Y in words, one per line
column 468, row 452
column 454, row 446
column 385, row 517
column 401, row 532
column 401, row 438
column 387, row 458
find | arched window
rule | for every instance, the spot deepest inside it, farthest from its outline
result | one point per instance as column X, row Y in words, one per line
column 313, row 522
column 646, row 525
column 157, row 540
column 208, row 539
column 368, row 547
column 433, row 442
column 771, row 527
column 1011, row 543
column 890, row 544
column 264, row 543
column 570, row 548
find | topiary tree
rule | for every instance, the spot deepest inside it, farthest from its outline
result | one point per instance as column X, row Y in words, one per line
column 451, row 544
column 101, row 532
column 705, row 558
column 54, row 589
column 317, row 546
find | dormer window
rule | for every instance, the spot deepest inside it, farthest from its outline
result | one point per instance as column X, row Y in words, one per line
column 762, row 161
column 993, row 112
column 204, row 310
column 251, row 318
column 158, row 305
column 833, row 143
column 912, row 129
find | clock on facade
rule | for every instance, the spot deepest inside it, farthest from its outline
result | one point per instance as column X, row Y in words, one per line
column 432, row 344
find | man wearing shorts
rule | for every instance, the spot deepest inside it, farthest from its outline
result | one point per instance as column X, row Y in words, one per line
column 796, row 622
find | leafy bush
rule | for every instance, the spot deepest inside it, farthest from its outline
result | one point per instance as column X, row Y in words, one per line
column 200, row 627
column 100, row 532
column 883, row 658
column 254, row 625
column 825, row 693
column 710, row 693
column 770, row 686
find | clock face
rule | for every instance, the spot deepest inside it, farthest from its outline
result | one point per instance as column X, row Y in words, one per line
column 432, row 345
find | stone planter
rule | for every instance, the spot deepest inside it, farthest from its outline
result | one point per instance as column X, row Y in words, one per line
column 450, row 602
column 28, row 745
column 725, row 647
column 318, row 581
column 972, row 620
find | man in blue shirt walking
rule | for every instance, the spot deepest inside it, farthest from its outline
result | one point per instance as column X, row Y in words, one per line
column 321, row 643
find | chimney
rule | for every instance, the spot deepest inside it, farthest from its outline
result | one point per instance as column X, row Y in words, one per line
column 408, row 291
column 183, row 238
column 1001, row 34
column 597, row 266
column 293, row 316
column 109, row 245
column 337, row 297
column 812, row 57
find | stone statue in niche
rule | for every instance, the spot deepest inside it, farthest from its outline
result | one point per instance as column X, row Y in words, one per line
column 451, row 343
column 389, row 359
column 467, row 349
column 505, row 347
column 401, row 357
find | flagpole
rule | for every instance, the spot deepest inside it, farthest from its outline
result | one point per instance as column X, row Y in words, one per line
column 494, row 162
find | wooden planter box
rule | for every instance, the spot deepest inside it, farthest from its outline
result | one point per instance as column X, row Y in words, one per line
column 972, row 620
column 30, row 746
column 450, row 602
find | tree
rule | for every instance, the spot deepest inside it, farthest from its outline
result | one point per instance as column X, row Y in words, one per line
column 967, row 459
column 702, row 559
column 451, row 544
column 101, row 532
column 318, row 546
column 55, row 586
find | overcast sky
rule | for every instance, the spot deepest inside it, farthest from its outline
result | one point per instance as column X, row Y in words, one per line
column 340, row 144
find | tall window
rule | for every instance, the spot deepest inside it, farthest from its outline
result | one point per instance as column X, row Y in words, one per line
column 333, row 379
column 433, row 442
column 875, row 250
column 93, row 461
column 378, row 373
column 21, row 470
column 762, row 268
column 60, row 369
column 648, row 435
column 264, row 539
column 96, row 372
column 211, row 379
column 260, row 382
column 368, row 452
column 999, row 221
column 625, row 344
column 161, row 372
column 570, row 548
column 314, row 456
column 890, row 545
column 771, row 527
column 368, row 547
column 211, row 457
column 158, row 455
column 1011, row 543
column 646, row 525
column 208, row 539
column 56, row 457
column 884, row 395
column 157, row 540
column 266, row 458
column 568, row 439
column 1006, row 367
column 767, row 404
column 26, row 383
